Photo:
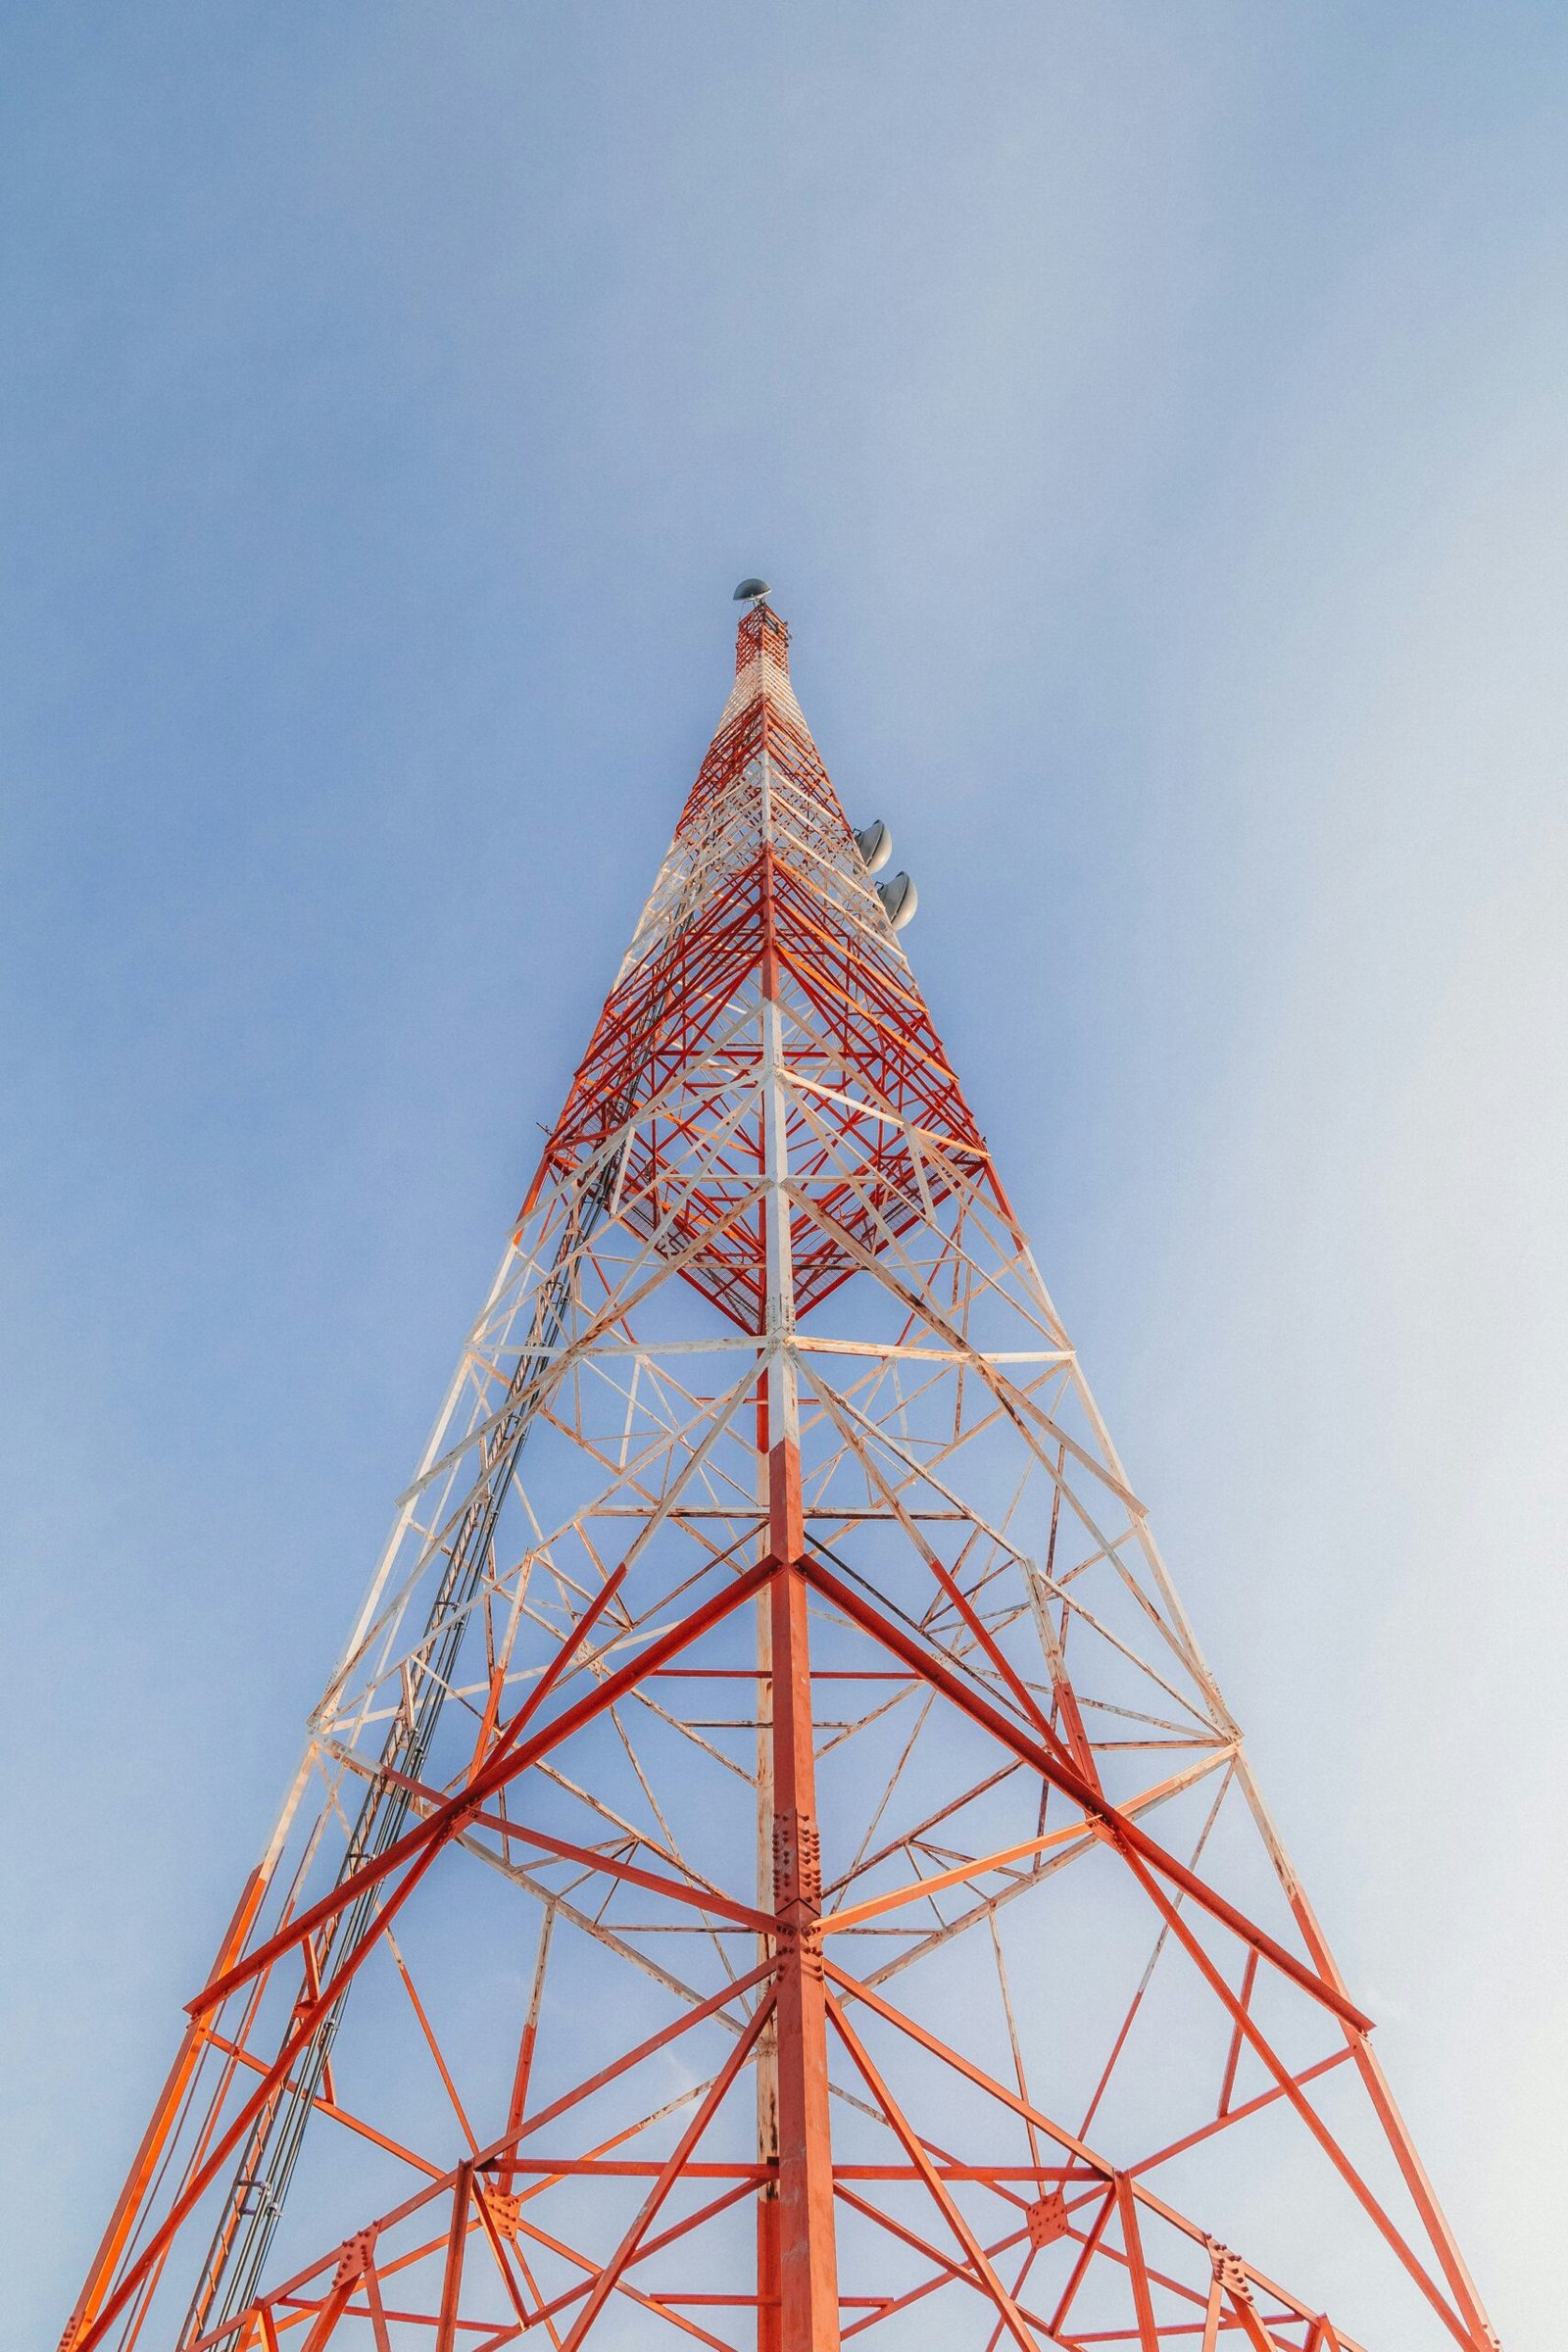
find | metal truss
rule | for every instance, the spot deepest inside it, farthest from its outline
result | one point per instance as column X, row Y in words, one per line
column 796, row 1876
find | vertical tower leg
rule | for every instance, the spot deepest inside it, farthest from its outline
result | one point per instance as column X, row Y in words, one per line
column 808, row 2265
column 807, row 2257
column 768, row 2287
column 767, row 2311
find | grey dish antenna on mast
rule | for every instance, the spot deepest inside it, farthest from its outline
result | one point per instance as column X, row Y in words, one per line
column 750, row 588
column 875, row 845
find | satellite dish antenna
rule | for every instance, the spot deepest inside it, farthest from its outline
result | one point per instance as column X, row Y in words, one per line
column 875, row 845
column 750, row 588
column 899, row 898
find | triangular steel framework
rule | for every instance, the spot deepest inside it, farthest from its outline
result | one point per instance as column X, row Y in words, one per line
column 771, row 1865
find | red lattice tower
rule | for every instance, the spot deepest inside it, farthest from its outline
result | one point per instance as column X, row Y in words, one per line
column 794, row 1872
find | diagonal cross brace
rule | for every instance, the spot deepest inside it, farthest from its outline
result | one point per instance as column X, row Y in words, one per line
column 1113, row 1822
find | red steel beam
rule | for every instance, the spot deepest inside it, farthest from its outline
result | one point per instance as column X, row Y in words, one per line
column 807, row 2263
column 1073, row 1785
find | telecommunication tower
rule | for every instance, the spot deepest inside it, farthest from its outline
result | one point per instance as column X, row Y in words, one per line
column 771, row 1865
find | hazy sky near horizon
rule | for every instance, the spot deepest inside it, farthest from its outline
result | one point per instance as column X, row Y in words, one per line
column 1153, row 421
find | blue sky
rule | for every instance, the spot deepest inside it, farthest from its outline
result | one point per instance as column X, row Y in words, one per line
column 1153, row 422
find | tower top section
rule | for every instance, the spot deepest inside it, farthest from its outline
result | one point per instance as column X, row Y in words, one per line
column 762, row 664
column 762, row 636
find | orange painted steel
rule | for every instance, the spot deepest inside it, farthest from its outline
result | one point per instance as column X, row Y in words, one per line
column 772, row 1617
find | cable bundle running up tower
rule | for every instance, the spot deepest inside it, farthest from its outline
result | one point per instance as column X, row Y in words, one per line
column 771, row 1865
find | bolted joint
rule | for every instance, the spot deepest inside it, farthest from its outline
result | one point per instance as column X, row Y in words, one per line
column 797, row 1864
column 1229, row 2270
column 353, row 2259
column 798, row 1891
column 504, row 2209
column 1046, row 2218
column 799, row 1943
